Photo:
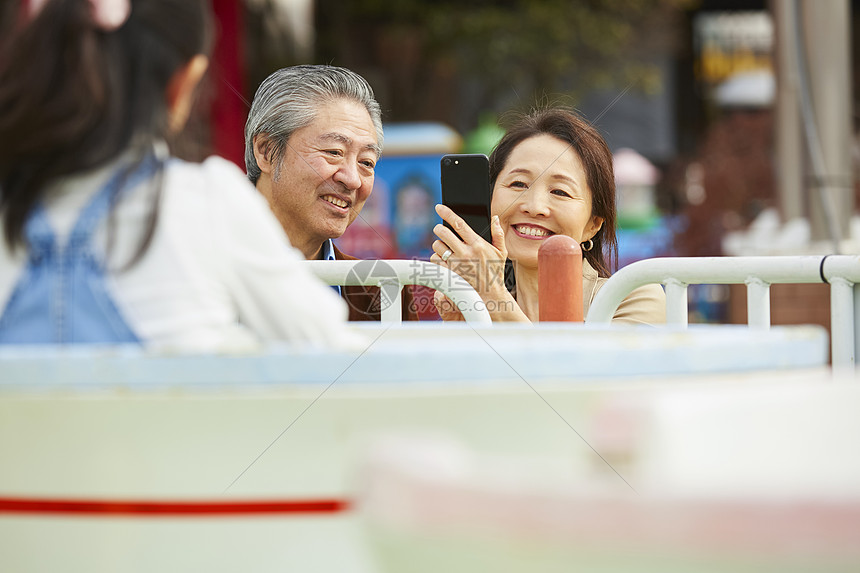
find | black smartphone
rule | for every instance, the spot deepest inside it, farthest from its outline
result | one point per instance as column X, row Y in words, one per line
column 466, row 190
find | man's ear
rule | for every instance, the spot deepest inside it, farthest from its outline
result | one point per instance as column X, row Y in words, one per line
column 180, row 91
column 262, row 145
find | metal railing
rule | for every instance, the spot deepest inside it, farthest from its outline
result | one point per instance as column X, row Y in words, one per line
column 841, row 272
column 392, row 275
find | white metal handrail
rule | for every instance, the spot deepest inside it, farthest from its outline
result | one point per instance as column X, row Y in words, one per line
column 392, row 275
column 842, row 272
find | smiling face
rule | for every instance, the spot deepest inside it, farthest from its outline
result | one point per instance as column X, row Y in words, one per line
column 542, row 191
column 326, row 175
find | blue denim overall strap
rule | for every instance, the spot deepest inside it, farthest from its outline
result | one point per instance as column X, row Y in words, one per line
column 62, row 296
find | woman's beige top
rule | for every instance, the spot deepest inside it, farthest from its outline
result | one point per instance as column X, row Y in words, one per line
column 645, row 305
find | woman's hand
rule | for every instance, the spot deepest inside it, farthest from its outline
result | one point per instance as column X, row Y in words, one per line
column 446, row 309
column 481, row 264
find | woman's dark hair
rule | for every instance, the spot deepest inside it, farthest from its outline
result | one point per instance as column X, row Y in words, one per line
column 74, row 96
column 596, row 157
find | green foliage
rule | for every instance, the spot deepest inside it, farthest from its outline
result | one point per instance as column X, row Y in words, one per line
column 449, row 60
column 533, row 46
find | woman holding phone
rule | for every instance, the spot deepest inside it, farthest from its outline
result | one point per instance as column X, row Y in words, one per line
column 550, row 174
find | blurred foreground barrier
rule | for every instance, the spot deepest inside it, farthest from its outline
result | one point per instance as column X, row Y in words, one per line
column 841, row 272
column 750, row 479
column 392, row 275
column 116, row 459
column 560, row 280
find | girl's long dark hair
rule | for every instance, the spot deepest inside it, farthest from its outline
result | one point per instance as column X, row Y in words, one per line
column 596, row 157
column 74, row 97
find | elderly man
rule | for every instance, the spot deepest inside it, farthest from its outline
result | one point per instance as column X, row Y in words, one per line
column 312, row 140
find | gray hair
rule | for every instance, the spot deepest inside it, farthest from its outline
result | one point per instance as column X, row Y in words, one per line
column 288, row 99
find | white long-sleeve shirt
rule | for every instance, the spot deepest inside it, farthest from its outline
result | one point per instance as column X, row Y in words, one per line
column 219, row 273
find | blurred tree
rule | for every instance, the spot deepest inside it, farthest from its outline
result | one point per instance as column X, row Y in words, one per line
column 504, row 54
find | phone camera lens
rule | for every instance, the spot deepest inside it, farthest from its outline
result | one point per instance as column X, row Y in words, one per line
column 446, row 161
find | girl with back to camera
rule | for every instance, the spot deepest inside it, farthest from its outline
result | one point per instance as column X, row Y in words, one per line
column 550, row 174
column 106, row 237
